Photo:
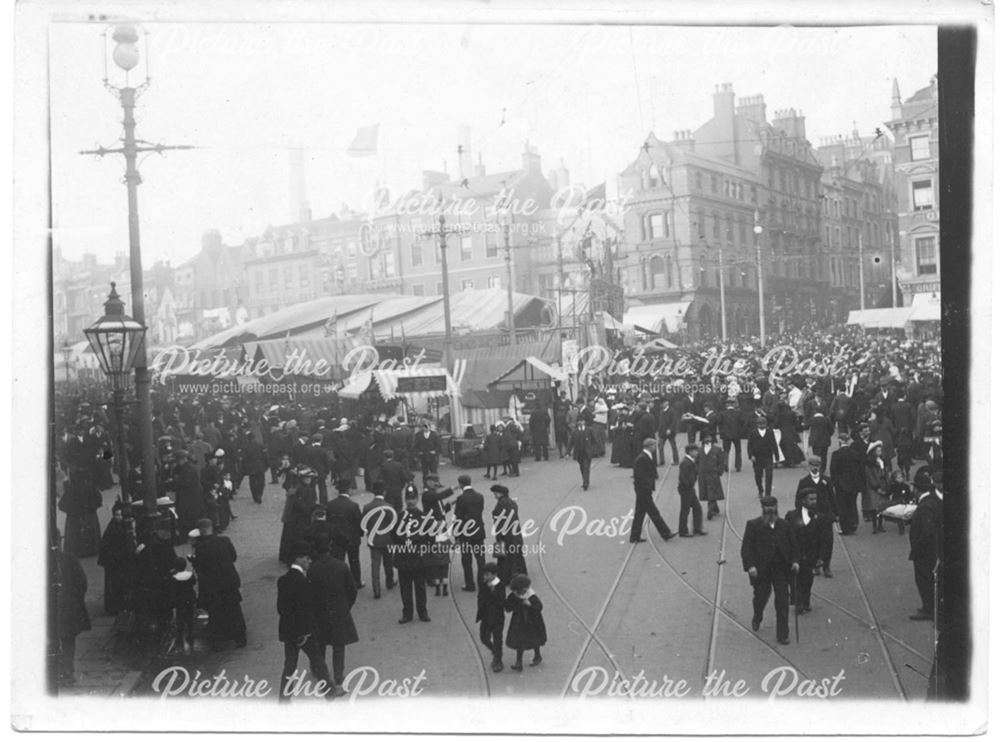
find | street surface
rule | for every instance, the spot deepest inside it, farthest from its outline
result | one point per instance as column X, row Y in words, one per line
column 664, row 615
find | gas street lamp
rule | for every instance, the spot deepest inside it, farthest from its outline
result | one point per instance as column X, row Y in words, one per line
column 117, row 340
column 126, row 56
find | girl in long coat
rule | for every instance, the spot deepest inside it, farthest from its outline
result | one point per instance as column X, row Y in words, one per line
column 711, row 466
column 875, row 497
column 493, row 450
column 527, row 627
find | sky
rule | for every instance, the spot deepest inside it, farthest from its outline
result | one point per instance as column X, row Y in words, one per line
column 244, row 93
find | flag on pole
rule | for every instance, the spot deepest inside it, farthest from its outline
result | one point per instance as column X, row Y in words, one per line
column 365, row 142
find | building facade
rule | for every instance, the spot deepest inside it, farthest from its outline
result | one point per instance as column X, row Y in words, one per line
column 914, row 127
column 690, row 217
column 859, row 220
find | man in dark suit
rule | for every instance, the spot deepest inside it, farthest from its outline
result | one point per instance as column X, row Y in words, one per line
column 297, row 624
column 470, row 532
column 925, row 543
column 730, row 430
column 770, row 556
column 538, row 424
column 687, row 478
column 820, row 434
column 583, row 443
column 805, row 522
column 395, row 475
column 762, row 449
column 644, row 479
column 335, row 596
column 667, row 430
column 645, row 425
column 345, row 515
column 319, row 459
column 219, row 585
column 826, row 511
column 254, row 466
column 411, row 544
column 378, row 520
column 189, row 498
column 689, row 407
column 426, row 446
column 847, row 473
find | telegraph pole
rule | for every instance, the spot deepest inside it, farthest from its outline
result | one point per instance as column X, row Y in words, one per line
column 442, row 233
column 757, row 229
column 861, row 271
column 510, row 278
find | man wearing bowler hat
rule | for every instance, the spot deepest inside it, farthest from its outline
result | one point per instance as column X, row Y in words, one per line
column 770, row 557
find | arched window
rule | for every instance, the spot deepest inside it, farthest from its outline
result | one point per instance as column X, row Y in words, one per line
column 654, row 176
column 656, row 272
column 670, row 274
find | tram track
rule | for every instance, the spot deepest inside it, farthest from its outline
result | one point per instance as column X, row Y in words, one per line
column 873, row 623
column 470, row 631
column 718, row 611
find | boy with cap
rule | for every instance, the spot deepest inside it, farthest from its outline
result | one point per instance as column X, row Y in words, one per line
column 490, row 612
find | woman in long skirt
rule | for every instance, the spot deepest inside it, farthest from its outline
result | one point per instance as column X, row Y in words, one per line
column 790, row 438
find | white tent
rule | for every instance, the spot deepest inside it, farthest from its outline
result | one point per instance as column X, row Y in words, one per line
column 657, row 318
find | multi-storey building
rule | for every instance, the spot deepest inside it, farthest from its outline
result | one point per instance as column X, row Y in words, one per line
column 914, row 127
column 403, row 250
column 859, row 220
column 690, row 216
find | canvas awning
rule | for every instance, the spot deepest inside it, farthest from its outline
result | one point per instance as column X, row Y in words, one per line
column 926, row 308
column 356, row 386
column 880, row 318
column 415, row 384
column 610, row 323
column 657, row 318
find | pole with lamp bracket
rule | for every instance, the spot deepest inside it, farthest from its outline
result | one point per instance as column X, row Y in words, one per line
column 117, row 341
column 505, row 218
column 126, row 56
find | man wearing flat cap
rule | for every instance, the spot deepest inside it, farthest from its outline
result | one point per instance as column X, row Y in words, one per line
column 826, row 510
column 770, row 556
column 507, row 532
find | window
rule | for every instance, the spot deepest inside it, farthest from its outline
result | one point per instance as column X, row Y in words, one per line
column 439, row 288
column 715, row 184
column 670, row 274
column 390, row 264
column 258, row 282
column 920, row 147
column 418, row 289
column 656, row 271
column 836, row 235
column 741, row 232
column 926, row 256
column 923, row 195
column 304, row 277
column 753, row 194
column 416, row 254
column 286, row 275
column 437, row 253
column 698, row 181
column 657, row 226
column 493, row 282
column 468, row 284
column 715, row 225
column 493, row 245
column 729, row 228
column 700, row 223
column 466, row 250
column 826, row 243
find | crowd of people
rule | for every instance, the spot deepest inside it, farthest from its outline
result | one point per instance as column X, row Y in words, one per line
column 883, row 409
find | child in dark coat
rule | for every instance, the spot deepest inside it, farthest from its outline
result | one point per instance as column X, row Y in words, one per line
column 490, row 613
column 527, row 627
column 182, row 599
